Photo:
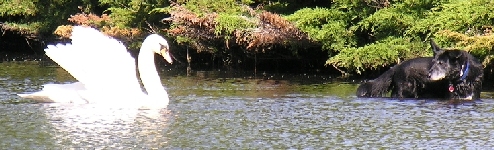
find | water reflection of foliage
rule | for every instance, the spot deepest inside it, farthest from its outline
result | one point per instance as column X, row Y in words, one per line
column 221, row 84
column 34, row 70
column 199, row 83
column 23, row 70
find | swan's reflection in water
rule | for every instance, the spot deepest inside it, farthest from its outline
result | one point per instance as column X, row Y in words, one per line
column 96, row 126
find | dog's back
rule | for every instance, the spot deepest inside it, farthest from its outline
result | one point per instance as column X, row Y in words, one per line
column 411, row 78
column 408, row 79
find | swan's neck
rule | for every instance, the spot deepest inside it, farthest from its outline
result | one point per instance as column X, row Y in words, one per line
column 149, row 76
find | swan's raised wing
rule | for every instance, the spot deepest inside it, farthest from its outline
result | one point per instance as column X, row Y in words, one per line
column 100, row 62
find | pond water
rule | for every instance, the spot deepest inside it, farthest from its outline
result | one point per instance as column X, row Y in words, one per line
column 225, row 110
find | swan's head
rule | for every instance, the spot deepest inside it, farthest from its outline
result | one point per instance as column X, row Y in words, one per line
column 159, row 46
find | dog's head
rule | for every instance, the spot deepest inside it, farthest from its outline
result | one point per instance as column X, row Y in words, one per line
column 364, row 90
column 447, row 63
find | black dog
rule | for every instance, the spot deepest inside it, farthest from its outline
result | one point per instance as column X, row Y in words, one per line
column 408, row 79
column 463, row 72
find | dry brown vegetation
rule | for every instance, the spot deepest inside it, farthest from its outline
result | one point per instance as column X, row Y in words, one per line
column 269, row 30
column 103, row 23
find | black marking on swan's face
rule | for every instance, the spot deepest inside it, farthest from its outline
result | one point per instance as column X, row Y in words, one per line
column 159, row 45
column 163, row 47
column 165, row 52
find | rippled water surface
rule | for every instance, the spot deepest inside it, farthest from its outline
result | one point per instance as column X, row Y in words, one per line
column 221, row 110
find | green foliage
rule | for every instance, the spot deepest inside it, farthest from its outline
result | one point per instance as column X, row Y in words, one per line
column 463, row 25
column 391, row 21
column 276, row 6
column 377, row 54
column 327, row 26
column 17, row 8
column 134, row 13
column 286, row 7
column 231, row 16
column 114, row 3
column 44, row 16
column 455, row 15
column 355, row 10
column 314, row 18
column 357, row 35
column 201, row 7
column 226, row 24
column 37, row 17
column 24, row 28
column 479, row 44
column 123, row 17
column 370, row 34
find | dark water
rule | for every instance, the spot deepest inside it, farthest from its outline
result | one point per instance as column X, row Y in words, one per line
column 221, row 110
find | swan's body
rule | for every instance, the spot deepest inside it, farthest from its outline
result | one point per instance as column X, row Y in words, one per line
column 105, row 70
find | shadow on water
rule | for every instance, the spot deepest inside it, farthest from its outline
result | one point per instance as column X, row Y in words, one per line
column 231, row 110
column 249, row 85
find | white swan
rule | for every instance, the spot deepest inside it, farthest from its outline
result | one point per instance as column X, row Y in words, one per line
column 106, row 71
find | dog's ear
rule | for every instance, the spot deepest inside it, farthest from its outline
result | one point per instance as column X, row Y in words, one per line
column 435, row 49
column 456, row 55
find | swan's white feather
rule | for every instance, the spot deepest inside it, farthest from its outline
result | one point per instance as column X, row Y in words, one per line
column 105, row 70
column 52, row 93
column 96, row 60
